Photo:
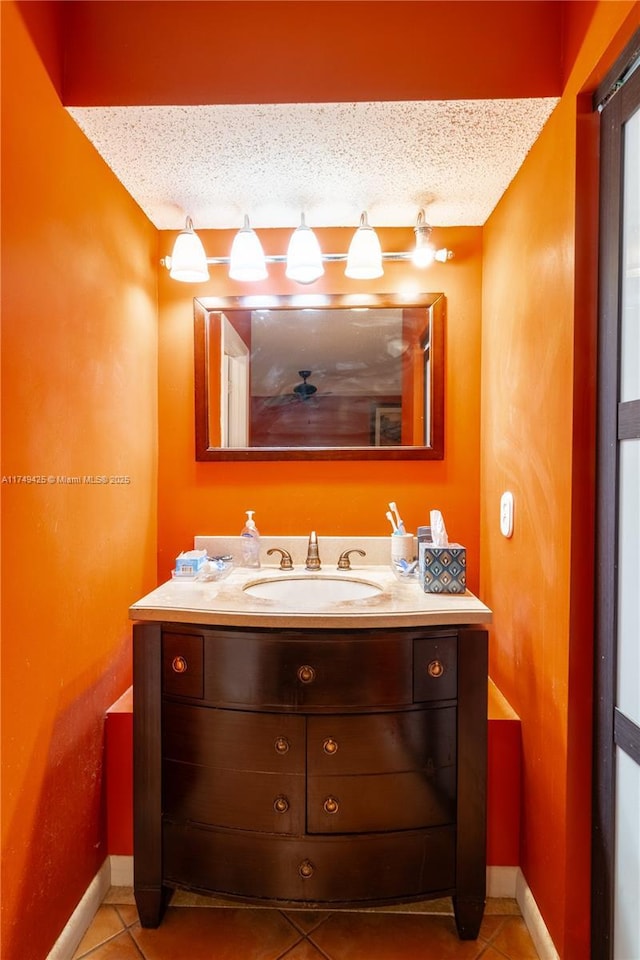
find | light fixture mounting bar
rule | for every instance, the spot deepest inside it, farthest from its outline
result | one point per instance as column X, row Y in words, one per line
column 329, row 257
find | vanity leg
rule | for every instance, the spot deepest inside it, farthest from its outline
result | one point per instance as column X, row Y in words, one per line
column 471, row 858
column 468, row 914
column 151, row 896
column 151, row 903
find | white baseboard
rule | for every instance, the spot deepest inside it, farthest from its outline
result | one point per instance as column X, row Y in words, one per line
column 501, row 881
column 533, row 919
column 66, row 944
column 122, row 871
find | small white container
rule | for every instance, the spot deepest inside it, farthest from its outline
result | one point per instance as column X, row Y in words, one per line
column 402, row 546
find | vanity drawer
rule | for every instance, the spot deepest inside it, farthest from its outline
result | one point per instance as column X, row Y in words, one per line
column 233, row 739
column 381, row 742
column 391, row 801
column 182, row 665
column 321, row 869
column 435, row 668
column 300, row 671
column 272, row 802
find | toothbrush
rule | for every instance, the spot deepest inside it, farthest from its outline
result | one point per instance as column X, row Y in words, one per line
column 392, row 521
column 399, row 524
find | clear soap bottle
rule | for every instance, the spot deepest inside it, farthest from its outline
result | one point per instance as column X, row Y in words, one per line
column 250, row 542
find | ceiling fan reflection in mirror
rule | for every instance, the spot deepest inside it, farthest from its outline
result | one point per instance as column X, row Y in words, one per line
column 302, row 392
column 305, row 390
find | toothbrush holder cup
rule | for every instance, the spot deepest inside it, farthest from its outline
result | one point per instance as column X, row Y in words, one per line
column 402, row 547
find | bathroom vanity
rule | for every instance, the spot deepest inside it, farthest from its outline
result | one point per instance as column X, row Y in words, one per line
column 318, row 758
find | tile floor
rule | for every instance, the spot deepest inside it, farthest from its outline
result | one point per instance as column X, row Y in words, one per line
column 195, row 928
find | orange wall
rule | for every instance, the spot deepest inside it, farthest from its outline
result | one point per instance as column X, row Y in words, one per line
column 538, row 349
column 292, row 52
column 79, row 354
column 329, row 497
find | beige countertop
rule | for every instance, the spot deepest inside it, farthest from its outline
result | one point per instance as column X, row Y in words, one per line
column 224, row 603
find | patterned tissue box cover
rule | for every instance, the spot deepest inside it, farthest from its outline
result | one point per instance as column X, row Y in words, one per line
column 443, row 569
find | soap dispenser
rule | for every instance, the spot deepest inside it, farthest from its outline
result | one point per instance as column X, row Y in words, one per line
column 250, row 542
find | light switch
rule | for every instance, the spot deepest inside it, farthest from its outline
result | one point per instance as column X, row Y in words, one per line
column 506, row 514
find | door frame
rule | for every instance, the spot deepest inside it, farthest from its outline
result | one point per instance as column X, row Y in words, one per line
column 607, row 730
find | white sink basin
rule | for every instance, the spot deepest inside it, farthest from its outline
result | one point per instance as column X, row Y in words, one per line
column 312, row 591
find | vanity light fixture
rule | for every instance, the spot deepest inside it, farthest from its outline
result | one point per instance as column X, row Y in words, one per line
column 364, row 260
column 424, row 251
column 304, row 256
column 247, row 256
column 188, row 260
column 304, row 259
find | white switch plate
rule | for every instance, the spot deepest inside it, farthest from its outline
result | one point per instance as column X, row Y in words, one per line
column 506, row 514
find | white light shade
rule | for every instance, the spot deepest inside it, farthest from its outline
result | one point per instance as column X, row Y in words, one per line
column 304, row 256
column 364, row 260
column 188, row 259
column 247, row 256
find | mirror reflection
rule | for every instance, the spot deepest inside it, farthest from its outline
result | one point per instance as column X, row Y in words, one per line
column 319, row 376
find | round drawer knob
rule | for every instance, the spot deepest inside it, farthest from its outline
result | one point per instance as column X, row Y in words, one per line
column 281, row 745
column 331, row 805
column 280, row 804
column 179, row 665
column 305, row 869
column 330, row 746
column 306, row 674
column 435, row 668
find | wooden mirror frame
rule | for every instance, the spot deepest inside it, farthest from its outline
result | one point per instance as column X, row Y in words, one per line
column 434, row 303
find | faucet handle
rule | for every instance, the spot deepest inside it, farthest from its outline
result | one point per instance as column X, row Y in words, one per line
column 344, row 563
column 286, row 563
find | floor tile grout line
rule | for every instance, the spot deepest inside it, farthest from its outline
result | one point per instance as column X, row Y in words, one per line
column 291, row 923
column 490, row 946
column 489, row 940
column 305, row 933
column 282, row 956
column 97, row 946
column 322, row 952
column 137, row 945
column 93, row 951
column 122, row 919
column 484, row 946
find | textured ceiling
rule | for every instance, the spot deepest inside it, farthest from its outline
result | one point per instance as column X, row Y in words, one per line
column 453, row 158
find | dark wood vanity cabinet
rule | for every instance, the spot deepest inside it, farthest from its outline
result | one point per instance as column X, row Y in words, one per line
column 317, row 767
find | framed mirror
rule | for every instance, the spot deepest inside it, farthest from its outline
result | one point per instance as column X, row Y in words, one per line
column 319, row 377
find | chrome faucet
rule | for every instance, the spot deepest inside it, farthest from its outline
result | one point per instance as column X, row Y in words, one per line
column 313, row 557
